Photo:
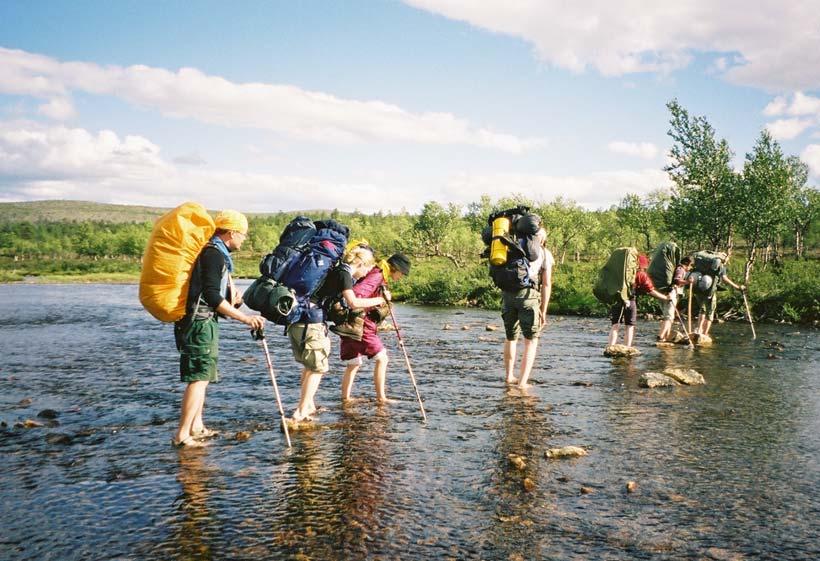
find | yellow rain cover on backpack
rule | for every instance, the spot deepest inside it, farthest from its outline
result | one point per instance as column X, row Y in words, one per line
column 175, row 243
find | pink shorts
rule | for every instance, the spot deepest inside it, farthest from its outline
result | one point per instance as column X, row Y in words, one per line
column 369, row 346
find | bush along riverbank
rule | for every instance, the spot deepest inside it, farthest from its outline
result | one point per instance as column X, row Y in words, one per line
column 789, row 292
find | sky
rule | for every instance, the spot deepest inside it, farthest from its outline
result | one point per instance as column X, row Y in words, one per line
column 386, row 104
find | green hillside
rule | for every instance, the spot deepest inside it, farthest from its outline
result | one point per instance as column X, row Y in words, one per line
column 76, row 211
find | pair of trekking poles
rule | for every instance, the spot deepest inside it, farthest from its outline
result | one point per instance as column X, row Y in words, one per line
column 689, row 318
column 259, row 335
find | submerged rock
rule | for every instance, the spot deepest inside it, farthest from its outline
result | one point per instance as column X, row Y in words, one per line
column 490, row 327
column 48, row 414
column 656, row 380
column 517, row 461
column 566, row 452
column 620, row 350
column 465, row 327
column 296, row 426
column 447, row 326
column 587, row 490
column 242, row 436
column 685, row 376
column 24, row 402
column 631, row 486
column 529, row 484
column 59, row 438
column 702, row 340
column 29, row 424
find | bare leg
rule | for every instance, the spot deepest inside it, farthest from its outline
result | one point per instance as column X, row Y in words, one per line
column 527, row 360
column 707, row 326
column 613, row 334
column 629, row 335
column 380, row 377
column 509, row 360
column 347, row 380
column 666, row 329
column 309, row 387
column 192, row 402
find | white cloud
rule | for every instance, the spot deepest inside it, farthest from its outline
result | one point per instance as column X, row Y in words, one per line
column 58, row 108
column 811, row 155
column 786, row 129
column 189, row 93
column 771, row 44
column 39, row 162
column 645, row 150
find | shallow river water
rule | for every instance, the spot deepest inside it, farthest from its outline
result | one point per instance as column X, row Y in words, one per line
column 728, row 470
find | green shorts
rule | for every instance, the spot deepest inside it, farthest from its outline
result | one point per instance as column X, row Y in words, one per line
column 521, row 312
column 706, row 305
column 310, row 345
column 198, row 345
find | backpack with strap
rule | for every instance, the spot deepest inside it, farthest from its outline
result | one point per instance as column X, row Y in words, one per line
column 273, row 300
column 706, row 270
column 175, row 242
column 617, row 277
column 294, row 239
column 661, row 270
column 509, row 268
column 308, row 270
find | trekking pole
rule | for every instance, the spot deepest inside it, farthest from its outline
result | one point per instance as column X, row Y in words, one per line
column 689, row 312
column 749, row 314
column 689, row 337
column 259, row 335
column 406, row 358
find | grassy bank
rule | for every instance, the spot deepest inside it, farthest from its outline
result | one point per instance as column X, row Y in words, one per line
column 790, row 292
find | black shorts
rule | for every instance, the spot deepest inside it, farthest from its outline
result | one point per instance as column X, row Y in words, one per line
column 624, row 313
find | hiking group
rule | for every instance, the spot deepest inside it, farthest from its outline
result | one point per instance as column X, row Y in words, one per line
column 628, row 275
column 317, row 280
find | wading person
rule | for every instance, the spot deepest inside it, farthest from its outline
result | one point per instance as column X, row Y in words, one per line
column 705, row 296
column 524, row 312
column 371, row 286
column 627, row 312
column 309, row 341
column 211, row 294
column 679, row 281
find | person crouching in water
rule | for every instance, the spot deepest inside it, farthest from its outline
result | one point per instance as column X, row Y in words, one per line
column 309, row 341
column 370, row 286
column 526, row 311
column 627, row 313
column 679, row 280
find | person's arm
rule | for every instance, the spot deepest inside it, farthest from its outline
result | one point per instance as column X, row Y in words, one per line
column 546, row 289
column 254, row 322
column 662, row 297
column 212, row 263
column 354, row 301
column 729, row 281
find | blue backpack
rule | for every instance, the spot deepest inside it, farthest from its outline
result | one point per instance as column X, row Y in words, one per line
column 306, row 272
column 293, row 241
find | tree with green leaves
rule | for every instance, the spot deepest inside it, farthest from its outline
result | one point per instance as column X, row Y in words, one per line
column 432, row 230
column 644, row 216
column 703, row 205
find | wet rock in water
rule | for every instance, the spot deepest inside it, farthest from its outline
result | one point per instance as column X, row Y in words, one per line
column 3, row 424
column 386, row 326
column 772, row 356
column 486, row 339
column 584, row 384
column 518, row 461
column 24, row 402
column 656, row 380
column 620, row 350
column 631, row 486
column 48, row 414
column 529, row 484
column 242, row 436
column 563, row 478
column 516, row 557
column 59, row 438
column 490, row 327
column 29, row 424
column 587, row 490
column 565, row 452
column 296, row 426
column 465, row 327
column 702, row 340
column 680, row 338
column 447, row 326
column 685, row 376
column 663, row 344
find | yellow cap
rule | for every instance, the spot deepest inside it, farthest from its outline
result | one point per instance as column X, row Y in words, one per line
column 232, row 220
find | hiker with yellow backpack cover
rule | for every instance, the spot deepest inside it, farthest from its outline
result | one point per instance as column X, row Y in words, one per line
column 193, row 293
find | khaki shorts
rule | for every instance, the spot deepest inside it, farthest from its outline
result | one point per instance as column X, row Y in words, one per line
column 706, row 305
column 310, row 345
column 668, row 308
column 521, row 312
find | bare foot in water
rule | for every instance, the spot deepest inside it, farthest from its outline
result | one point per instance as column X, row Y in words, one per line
column 386, row 401
column 350, row 401
column 512, row 380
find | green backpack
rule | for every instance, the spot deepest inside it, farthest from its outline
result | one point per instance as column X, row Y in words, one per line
column 617, row 277
column 665, row 258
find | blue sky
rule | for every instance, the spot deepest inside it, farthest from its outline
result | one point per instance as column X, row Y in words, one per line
column 269, row 106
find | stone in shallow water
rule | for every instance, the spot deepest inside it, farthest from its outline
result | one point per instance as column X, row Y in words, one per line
column 29, row 424
column 685, row 376
column 296, row 426
column 529, row 484
column 518, row 461
column 58, row 438
column 656, row 380
column 566, row 452
column 490, row 328
column 631, row 486
column 621, row 350
column 702, row 340
column 48, row 414
column 242, row 436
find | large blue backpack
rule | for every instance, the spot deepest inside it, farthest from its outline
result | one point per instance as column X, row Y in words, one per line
column 293, row 241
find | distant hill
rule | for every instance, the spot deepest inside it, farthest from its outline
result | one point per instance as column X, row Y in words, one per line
column 79, row 211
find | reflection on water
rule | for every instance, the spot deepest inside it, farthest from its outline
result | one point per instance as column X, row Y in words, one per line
column 728, row 470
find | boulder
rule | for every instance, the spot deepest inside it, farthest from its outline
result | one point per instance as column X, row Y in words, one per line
column 656, row 380
column 565, row 452
column 620, row 350
column 685, row 376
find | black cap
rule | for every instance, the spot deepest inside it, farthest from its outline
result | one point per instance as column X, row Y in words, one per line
column 400, row 262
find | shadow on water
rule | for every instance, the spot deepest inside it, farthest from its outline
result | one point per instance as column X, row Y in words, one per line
column 727, row 470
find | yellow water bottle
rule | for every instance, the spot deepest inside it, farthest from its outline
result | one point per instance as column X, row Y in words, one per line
column 498, row 249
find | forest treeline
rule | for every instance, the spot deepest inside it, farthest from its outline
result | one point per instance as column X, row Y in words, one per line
column 764, row 215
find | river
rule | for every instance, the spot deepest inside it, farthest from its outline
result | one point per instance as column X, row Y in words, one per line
column 727, row 470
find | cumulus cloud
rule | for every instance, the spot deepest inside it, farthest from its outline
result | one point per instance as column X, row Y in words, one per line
column 811, row 155
column 190, row 93
column 786, row 129
column 774, row 45
column 803, row 112
column 39, row 162
column 645, row 150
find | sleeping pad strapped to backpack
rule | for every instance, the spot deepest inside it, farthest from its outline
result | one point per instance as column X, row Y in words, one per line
column 510, row 237
column 176, row 240
column 295, row 270
column 665, row 258
column 617, row 277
